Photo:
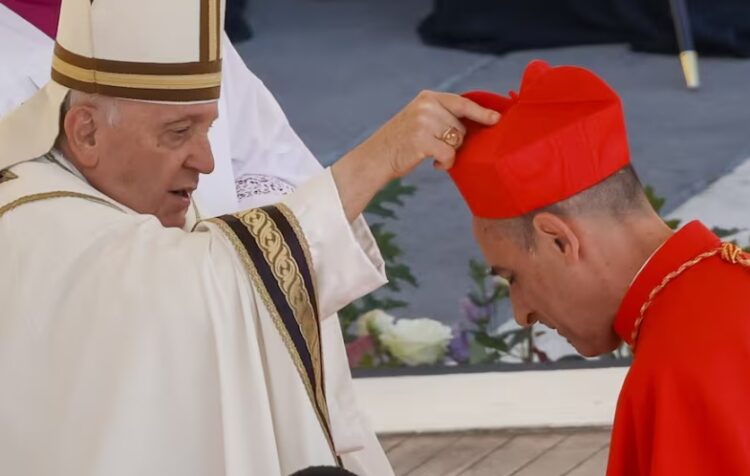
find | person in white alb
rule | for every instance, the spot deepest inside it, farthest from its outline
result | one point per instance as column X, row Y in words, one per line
column 258, row 158
column 131, row 346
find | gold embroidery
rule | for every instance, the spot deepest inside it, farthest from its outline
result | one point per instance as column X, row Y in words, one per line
column 273, row 244
column 287, row 273
column 7, row 176
column 289, row 277
column 51, row 195
column 297, row 228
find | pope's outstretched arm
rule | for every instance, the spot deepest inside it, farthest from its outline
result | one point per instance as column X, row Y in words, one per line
column 411, row 136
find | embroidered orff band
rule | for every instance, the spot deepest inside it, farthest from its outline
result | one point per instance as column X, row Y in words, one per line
column 276, row 256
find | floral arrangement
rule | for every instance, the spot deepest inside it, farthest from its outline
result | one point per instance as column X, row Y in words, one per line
column 383, row 340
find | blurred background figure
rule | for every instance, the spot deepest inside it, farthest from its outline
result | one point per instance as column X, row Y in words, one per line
column 236, row 24
column 324, row 471
column 41, row 13
column 720, row 27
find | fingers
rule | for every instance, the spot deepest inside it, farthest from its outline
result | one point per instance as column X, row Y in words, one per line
column 463, row 108
column 444, row 155
column 448, row 120
column 442, row 134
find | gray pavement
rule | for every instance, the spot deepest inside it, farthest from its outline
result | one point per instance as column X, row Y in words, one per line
column 340, row 68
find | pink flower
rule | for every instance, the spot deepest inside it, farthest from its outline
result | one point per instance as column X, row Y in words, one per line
column 358, row 349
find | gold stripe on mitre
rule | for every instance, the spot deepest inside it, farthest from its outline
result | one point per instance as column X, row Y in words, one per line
column 210, row 30
column 148, row 81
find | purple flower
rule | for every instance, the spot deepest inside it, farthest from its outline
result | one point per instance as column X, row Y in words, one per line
column 474, row 313
column 458, row 348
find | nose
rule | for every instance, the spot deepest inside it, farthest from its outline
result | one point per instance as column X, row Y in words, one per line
column 201, row 158
column 523, row 315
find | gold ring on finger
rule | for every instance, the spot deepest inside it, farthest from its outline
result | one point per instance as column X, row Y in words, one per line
column 452, row 137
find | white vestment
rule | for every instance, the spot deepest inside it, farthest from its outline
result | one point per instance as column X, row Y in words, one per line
column 258, row 159
column 129, row 348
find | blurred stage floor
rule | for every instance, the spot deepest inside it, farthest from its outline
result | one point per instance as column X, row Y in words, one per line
column 580, row 452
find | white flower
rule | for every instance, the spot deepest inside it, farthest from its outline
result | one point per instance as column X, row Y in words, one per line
column 373, row 322
column 417, row 341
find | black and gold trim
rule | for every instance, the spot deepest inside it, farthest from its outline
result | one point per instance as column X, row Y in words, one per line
column 195, row 81
column 276, row 256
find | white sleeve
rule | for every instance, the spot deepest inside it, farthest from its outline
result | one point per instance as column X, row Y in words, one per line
column 345, row 257
column 345, row 260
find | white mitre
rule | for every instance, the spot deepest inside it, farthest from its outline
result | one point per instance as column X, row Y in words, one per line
column 146, row 50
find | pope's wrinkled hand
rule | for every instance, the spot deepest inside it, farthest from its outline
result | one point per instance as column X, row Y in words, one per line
column 429, row 127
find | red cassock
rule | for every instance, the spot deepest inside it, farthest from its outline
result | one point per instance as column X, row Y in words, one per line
column 685, row 406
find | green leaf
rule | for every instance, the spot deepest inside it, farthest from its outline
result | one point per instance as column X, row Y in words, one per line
column 391, row 195
column 724, row 232
column 491, row 342
column 517, row 336
column 673, row 224
column 478, row 271
column 479, row 354
column 387, row 304
column 656, row 201
column 500, row 292
column 397, row 273
column 388, row 248
column 367, row 362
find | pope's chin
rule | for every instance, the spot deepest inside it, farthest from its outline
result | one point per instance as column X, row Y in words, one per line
column 594, row 346
column 173, row 210
column 172, row 218
column 173, row 221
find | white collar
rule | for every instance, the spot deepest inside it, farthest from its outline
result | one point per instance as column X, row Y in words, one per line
column 58, row 157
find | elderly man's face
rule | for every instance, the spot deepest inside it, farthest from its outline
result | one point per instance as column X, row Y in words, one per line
column 150, row 156
column 548, row 285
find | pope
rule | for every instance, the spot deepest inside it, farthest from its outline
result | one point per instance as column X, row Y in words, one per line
column 258, row 158
column 559, row 212
column 135, row 337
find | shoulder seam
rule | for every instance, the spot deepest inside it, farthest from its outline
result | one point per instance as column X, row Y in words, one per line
column 37, row 197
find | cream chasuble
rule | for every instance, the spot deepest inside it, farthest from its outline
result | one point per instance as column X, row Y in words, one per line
column 257, row 157
column 127, row 348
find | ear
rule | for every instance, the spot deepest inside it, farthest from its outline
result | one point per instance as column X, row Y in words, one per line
column 557, row 236
column 80, row 128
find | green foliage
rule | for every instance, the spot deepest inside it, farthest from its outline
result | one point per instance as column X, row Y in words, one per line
column 658, row 203
column 724, row 232
column 485, row 344
column 389, row 197
column 383, row 207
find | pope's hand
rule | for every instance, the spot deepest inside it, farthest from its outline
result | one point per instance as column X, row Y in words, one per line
column 419, row 132
column 429, row 127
